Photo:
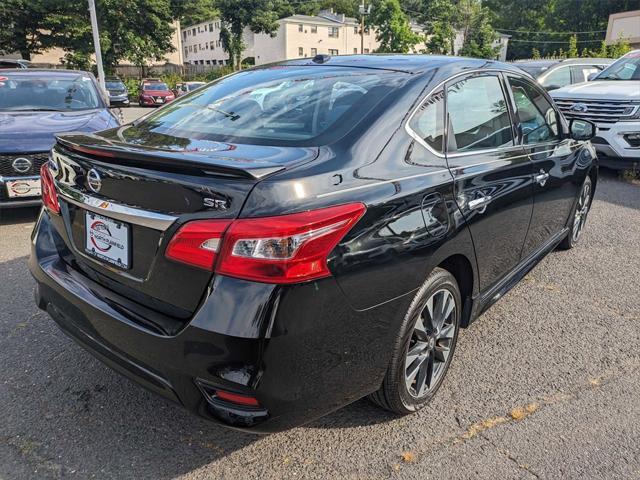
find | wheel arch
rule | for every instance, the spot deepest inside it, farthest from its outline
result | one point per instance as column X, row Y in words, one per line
column 461, row 268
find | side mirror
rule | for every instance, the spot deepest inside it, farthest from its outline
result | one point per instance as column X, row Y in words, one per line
column 592, row 76
column 582, row 129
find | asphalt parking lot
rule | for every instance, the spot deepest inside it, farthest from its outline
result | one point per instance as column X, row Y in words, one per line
column 546, row 385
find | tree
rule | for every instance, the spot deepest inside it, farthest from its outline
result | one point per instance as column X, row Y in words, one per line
column 25, row 26
column 535, row 54
column 573, row 46
column 393, row 30
column 261, row 16
column 190, row 12
column 439, row 18
column 479, row 37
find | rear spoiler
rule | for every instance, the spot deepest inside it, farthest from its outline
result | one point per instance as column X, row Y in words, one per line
column 213, row 163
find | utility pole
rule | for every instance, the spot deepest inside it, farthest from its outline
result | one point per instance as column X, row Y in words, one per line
column 364, row 10
column 96, row 43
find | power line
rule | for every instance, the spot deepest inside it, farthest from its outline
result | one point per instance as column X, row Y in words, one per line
column 549, row 33
column 565, row 42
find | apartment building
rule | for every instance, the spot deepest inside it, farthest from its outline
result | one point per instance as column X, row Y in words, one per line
column 306, row 36
column 201, row 44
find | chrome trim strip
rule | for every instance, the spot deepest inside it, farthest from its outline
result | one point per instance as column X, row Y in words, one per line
column 144, row 218
column 10, row 179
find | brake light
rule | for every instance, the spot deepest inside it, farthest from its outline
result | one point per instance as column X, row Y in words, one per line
column 238, row 399
column 197, row 243
column 284, row 249
column 288, row 248
column 49, row 196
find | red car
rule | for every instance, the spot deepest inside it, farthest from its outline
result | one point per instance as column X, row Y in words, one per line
column 153, row 94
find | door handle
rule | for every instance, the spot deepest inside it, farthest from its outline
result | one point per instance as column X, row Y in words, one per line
column 480, row 204
column 541, row 178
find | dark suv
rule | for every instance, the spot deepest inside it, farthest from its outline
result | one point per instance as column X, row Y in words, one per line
column 297, row 236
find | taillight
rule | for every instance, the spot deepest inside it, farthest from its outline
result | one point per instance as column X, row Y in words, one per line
column 284, row 249
column 197, row 243
column 288, row 248
column 236, row 398
column 49, row 196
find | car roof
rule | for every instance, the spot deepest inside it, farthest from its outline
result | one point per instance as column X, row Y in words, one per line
column 36, row 71
column 413, row 64
column 564, row 61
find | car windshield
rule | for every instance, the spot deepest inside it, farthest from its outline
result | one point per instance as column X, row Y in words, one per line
column 535, row 69
column 114, row 85
column 627, row 68
column 47, row 92
column 156, row 86
column 276, row 105
column 193, row 86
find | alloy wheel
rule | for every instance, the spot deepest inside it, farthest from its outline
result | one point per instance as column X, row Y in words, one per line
column 430, row 344
column 582, row 209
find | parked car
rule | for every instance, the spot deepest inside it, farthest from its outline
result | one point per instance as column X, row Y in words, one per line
column 265, row 265
column 612, row 101
column 35, row 105
column 118, row 92
column 183, row 88
column 154, row 93
column 553, row 74
column 11, row 63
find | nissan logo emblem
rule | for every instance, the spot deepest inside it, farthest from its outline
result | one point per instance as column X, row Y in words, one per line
column 579, row 108
column 21, row 165
column 93, row 180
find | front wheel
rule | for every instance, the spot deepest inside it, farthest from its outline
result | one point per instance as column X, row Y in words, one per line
column 579, row 217
column 424, row 347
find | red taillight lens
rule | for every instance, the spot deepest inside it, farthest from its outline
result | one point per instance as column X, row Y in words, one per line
column 288, row 248
column 285, row 249
column 244, row 400
column 197, row 243
column 49, row 196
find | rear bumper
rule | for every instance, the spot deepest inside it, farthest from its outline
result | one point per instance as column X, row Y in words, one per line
column 310, row 353
column 119, row 100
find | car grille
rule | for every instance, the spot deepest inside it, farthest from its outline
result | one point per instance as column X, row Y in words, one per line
column 6, row 163
column 599, row 111
column 117, row 92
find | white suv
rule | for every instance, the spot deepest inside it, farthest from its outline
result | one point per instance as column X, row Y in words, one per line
column 612, row 101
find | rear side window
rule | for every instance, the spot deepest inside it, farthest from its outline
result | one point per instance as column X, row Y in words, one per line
column 557, row 78
column 478, row 115
column 428, row 121
column 277, row 105
column 538, row 119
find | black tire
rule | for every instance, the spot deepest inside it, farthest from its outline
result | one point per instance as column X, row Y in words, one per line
column 579, row 214
column 395, row 394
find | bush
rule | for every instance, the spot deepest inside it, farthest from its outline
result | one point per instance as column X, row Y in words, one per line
column 133, row 85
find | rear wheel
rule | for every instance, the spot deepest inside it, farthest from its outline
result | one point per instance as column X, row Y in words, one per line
column 424, row 347
column 579, row 217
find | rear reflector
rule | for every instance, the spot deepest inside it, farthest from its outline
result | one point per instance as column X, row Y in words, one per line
column 197, row 243
column 49, row 196
column 244, row 400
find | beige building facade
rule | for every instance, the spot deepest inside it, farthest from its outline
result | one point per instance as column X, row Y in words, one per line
column 624, row 25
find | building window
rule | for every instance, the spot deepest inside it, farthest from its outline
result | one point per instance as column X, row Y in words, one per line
column 314, row 52
column 314, row 29
column 208, row 62
column 199, row 46
column 220, row 62
column 334, row 32
column 366, row 50
column 217, row 24
column 355, row 51
column 211, row 27
column 300, row 27
column 186, row 51
column 184, row 34
column 366, row 30
column 355, row 30
column 300, row 52
column 193, row 31
column 211, row 45
column 206, row 46
column 333, row 52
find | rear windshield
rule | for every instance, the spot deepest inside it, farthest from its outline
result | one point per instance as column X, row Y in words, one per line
column 278, row 105
column 626, row 68
column 155, row 86
column 535, row 70
column 114, row 85
column 47, row 92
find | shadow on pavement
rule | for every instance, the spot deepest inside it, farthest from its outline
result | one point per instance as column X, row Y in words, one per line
column 14, row 216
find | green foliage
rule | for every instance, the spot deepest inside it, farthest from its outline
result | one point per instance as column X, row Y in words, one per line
column 618, row 49
column 190, row 12
column 133, row 86
column 392, row 27
column 535, row 54
column 573, row 47
column 261, row 16
column 440, row 18
column 479, row 35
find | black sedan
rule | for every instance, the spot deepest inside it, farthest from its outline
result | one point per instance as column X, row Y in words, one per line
column 289, row 239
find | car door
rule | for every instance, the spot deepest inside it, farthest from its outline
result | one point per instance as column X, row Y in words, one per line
column 554, row 161
column 492, row 174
